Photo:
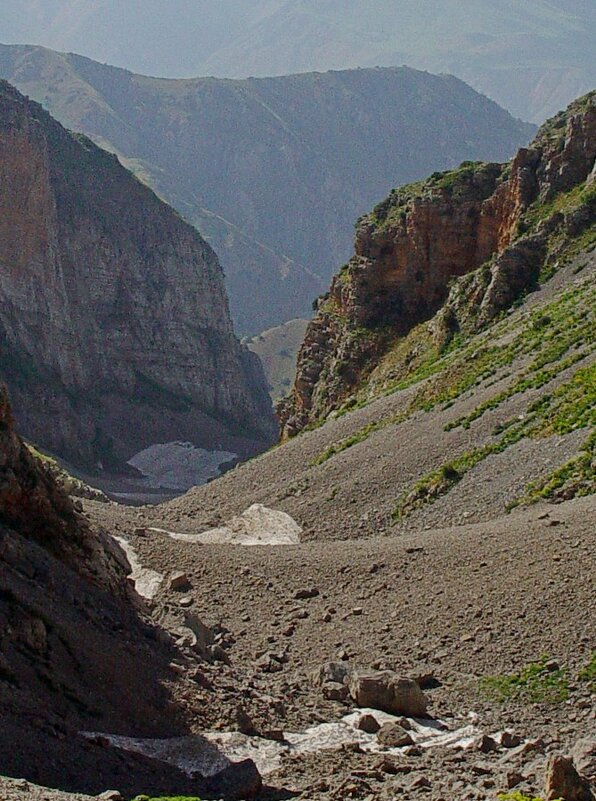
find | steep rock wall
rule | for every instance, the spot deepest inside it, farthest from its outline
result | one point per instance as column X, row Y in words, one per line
column 114, row 325
column 422, row 236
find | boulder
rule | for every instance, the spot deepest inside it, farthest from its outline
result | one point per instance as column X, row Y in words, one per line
column 368, row 724
column 584, row 757
column 388, row 692
column 563, row 781
column 392, row 735
column 239, row 781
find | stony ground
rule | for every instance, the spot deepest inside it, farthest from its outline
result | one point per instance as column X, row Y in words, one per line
column 460, row 603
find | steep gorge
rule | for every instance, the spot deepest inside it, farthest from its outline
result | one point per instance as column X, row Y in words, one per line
column 425, row 235
column 114, row 325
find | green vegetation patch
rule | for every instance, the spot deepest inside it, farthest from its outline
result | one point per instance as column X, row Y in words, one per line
column 571, row 406
column 539, row 682
column 575, row 479
column 517, row 796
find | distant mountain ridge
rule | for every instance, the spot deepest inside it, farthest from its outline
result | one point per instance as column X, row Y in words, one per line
column 532, row 58
column 272, row 172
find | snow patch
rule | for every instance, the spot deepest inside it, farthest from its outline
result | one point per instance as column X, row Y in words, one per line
column 258, row 525
column 179, row 465
column 210, row 752
column 147, row 582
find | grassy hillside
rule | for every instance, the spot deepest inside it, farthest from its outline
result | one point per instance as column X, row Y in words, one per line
column 272, row 171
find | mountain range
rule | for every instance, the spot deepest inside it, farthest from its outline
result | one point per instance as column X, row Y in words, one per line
column 532, row 58
column 273, row 171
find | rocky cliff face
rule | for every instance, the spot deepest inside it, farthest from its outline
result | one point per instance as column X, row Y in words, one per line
column 427, row 234
column 114, row 325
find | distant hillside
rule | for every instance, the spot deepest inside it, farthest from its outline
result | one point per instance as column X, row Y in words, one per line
column 277, row 349
column 272, row 171
column 115, row 332
column 533, row 57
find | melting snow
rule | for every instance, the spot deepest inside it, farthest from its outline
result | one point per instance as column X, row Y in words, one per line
column 210, row 752
column 179, row 465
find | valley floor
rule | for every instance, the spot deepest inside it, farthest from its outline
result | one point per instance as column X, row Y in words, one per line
column 461, row 603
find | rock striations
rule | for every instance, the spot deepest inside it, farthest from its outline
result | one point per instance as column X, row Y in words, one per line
column 422, row 237
column 114, row 325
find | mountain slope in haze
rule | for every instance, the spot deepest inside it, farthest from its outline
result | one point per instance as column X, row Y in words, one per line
column 114, row 326
column 532, row 58
column 277, row 349
column 272, row 166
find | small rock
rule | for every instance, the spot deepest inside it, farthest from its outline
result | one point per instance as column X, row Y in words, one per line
column 510, row 740
column 179, row 581
column 111, row 795
column 334, row 672
column 274, row 734
column 485, row 744
column 413, row 750
column 244, row 722
column 368, row 724
column 514, row 778
column 218, row 654
column 333, row 691
column 185, row 602
column 392, row 735
column 563, row 781
column 420, row 783
column 306, row 593
column 425, row 678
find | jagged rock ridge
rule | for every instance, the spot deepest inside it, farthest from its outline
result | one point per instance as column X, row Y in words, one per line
column 114, row 326
column 423, row 236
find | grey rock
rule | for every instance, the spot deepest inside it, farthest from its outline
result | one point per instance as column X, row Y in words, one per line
column 335, row 672
column 584, row 757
